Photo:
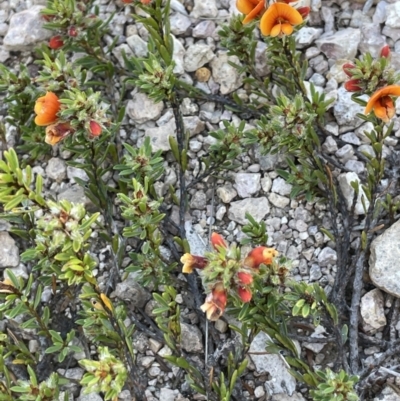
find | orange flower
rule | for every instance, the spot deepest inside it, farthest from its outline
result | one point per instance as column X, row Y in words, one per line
column 191, row 261
column 215, row 303
column 244, row 294
column 251, row 8
column 352, row 85
column 279, row 20
column 46, row 108
column 259, row 255
column 217, row 240
column 382, row 104
column 56, row 132
column 56, row 42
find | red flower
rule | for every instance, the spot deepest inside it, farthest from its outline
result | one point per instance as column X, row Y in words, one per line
column 215, row 303
column 244, row 294
column 56, row 42
column 259, row 255
column 352, row 85
column 347, row 67
column 95, row 128
column 217, row 240
column 385, row 52
column 245, row 278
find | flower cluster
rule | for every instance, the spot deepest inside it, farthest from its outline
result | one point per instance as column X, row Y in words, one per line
column 224, row 270
column 374, row 78
column 279, row 19
column 47, row 110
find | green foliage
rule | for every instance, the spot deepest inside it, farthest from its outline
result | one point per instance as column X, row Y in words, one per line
column 107, row 375
column 256, row 232
column 335, row 386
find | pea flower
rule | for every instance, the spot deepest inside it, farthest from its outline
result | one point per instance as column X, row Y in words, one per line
column 381, row 102
column 56, row 42
column 251, row 8
column 279, row 20
column 260, row 255
column 56, row 132
column 46, row 108
column 215, row 303
column 191, row 262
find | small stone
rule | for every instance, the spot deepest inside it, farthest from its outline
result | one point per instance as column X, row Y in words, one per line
column 203, row 74
column 199, row 200
column 204, row 29
column 372, row 311
column 257, row 207
column 221, row 211
column 221, row 326
column 278, row 200
column 179, row 23
column 225, row 74
column 351, row 137
column 56, row 169
column 204, row 8
column 247, row 184
column 196, row 56
column 327, row 257
column 154, row 345
column 315, row 273
column 345, row 180
column 340, row 44
column 154, row 371
column 330, row 145
column 26, row 30
column 166, row 394
column 355, row 166
column 306, row 36
column 281, row 187
column 137, row 45
column 191, row 338
column 259, row 392
column 9, row 253
column 142, row 109
column 73, row 172
column 266, row 183
column 130, row 290
column 393, row 15
column 345, row 152
column 226, row 193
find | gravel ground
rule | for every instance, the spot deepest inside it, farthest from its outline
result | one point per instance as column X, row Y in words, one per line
column 337, row 32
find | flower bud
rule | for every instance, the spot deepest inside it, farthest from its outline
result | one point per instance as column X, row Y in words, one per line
column 72, row 31
column 385, row 52
column 217, row 240
column 353, row 85
column 56, row 42
column 244, row 294
column 95, row 128
column 347, row 67
column 304, row 11
column 245, row 278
